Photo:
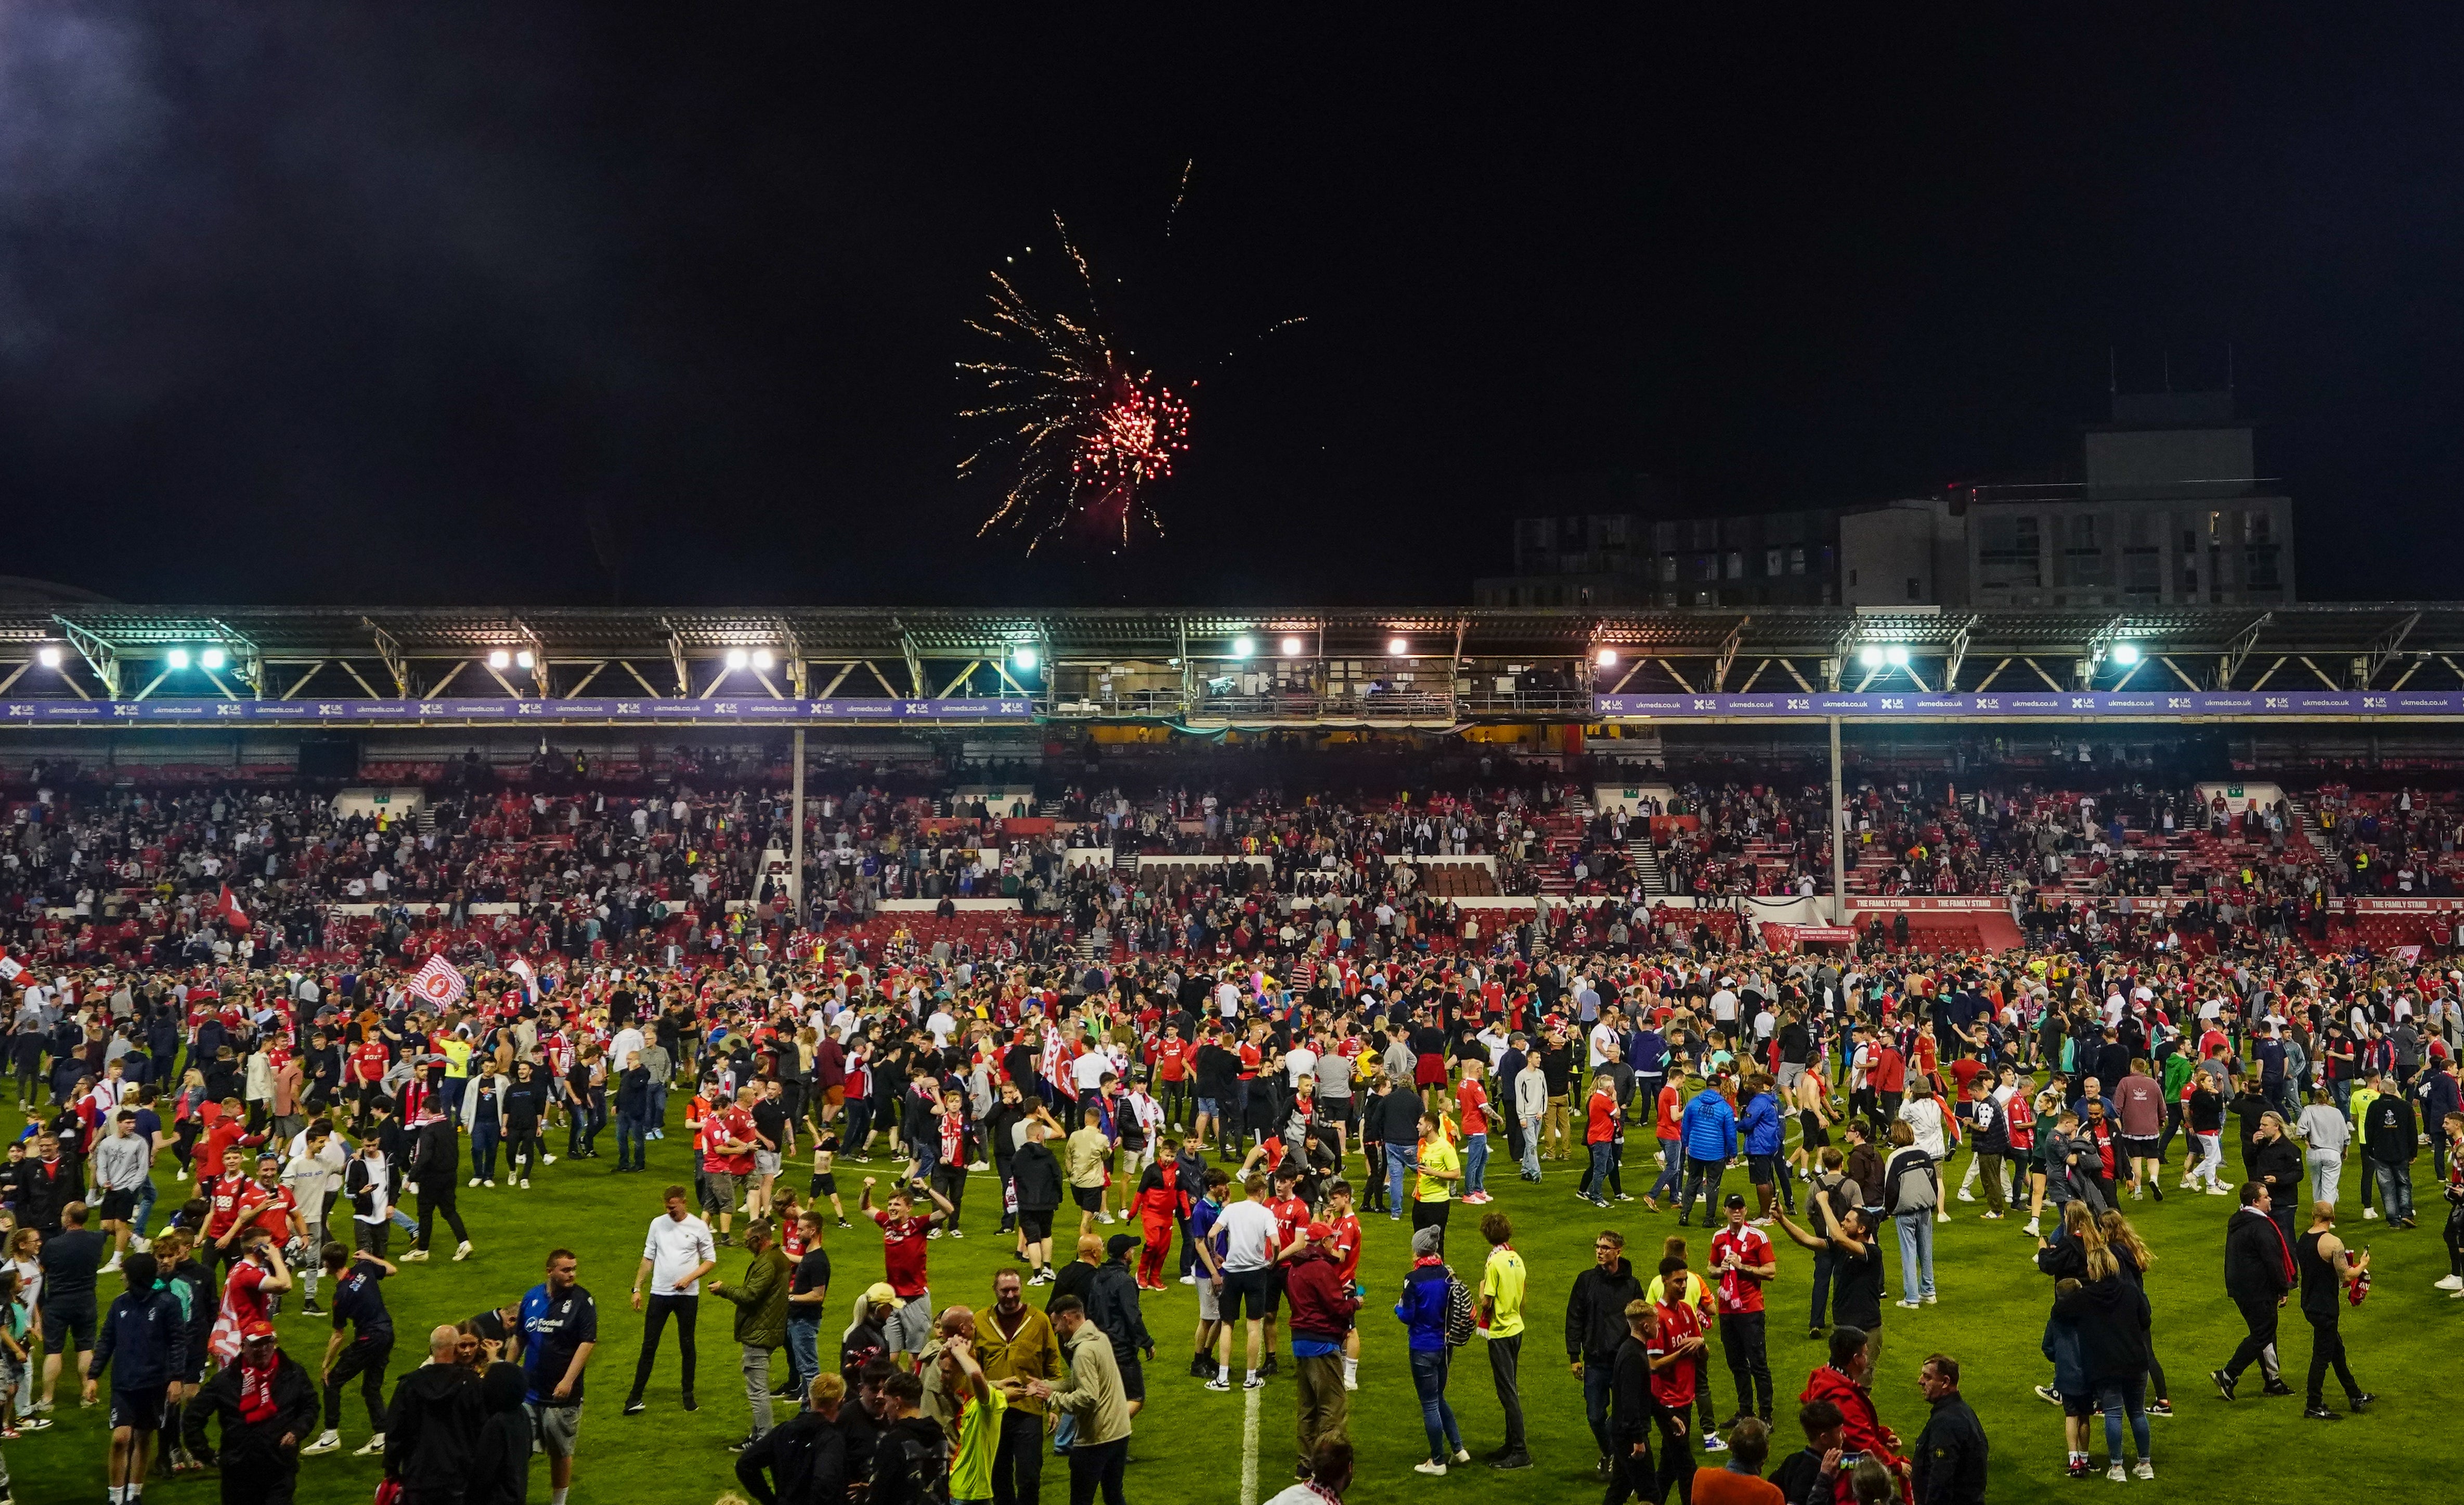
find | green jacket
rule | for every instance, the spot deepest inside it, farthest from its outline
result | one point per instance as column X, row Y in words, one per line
column 761, row 1300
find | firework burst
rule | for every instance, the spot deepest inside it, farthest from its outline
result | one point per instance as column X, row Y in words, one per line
column 1084, row 432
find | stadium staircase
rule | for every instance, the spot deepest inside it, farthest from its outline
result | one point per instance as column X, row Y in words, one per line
column 1646, row 861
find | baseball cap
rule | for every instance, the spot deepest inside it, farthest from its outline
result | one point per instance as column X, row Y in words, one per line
column 256, row 1330
column 1734, row 1198
column 1320, row 1230
column 880, row 1293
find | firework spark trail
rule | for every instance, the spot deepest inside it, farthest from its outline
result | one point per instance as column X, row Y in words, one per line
column 1093, row 432
column 1170, row 214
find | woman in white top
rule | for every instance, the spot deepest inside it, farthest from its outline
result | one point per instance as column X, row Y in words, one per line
column 1922, row 1113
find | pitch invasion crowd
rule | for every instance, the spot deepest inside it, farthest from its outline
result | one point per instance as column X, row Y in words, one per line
column 1233, row 1126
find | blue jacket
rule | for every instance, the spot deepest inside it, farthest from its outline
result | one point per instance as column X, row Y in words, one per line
column 1422, row 1310
column 1710, row 1125
column 1761, row 1125
column 1648, row 1053
column 146, row 1340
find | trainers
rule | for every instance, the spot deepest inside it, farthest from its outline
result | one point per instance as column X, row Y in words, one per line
column 113, row 1267
column 2146, row 1469
column 33, row 1423
column 526, row 1183
column 2370, row 1215
column 1933, row 1298
column 310, row 1308
column 475, row 1180
column 490, row 1184
column 2160, row 1408
column 2218, row 1191
column 2079, row 1469
column 1429, row 1466
column 1712, row 1443
column 2049, row 1395
column 636, row 1406
column 2361, row 1402
column 417, row 1256
column 2118, row 1474
column 326, row 1442
column 2448, row 1283
column 2032, row 1231
column 1255, row 1382
column 547, row 1160
column 462, row 1251
column 372, row 1447
column 1513, row 1461
column 1219, row 1382
column 2320, row 1413
column 1966, row 1195
column 2225, row 1383
column 957, row 1233
column 2275, row 1387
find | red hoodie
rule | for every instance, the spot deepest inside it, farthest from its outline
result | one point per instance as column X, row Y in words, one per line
column 1864, row 1432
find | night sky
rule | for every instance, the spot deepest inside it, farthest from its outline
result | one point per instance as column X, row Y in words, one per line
column 349, row 301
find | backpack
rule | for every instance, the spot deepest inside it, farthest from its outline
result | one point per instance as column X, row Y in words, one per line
column 1460, row 1320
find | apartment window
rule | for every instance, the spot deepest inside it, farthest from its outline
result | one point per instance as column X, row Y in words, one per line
column 1736, row 565
column 1668, row 571
column 1796, row 562
column 1771, row 562
column 2007, row 553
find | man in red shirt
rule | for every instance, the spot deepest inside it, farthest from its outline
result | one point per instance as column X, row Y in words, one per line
column 1742, row 1259
column 1172, row 1068
column 226, row 1213
column 1471, row 1110
column 1676, row 1339
column 903, row 1254
column 726, row 1143
column 255, row 1280
column 1602, row 1132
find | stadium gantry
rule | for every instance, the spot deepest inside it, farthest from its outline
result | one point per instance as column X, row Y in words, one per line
column 1204, row 670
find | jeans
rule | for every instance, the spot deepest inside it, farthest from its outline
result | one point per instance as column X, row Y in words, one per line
column 143, row 1211
column 757, row 1386
column 484, row 1138
column 1915, row 1252
column 1701, row 1176
column 2326, row 1166
column 2115, row 1397
column 657, row 1116
column 1505, row 1364
column 804, row 1349
column 1672, row 1172
column 1599, row 1382
column 1595, row 1176
column 2395, row 1190
column 1018, row 1462
column 633, row 1141
column 1429, row 1379
column 1399, row 1160
column 1531, row 1145
column 1097, row 1465
column 1475, row 1163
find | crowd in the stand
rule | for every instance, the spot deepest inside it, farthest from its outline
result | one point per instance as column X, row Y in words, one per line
column 1234, row 1103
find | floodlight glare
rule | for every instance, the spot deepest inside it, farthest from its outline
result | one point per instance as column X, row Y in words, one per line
column 1024, row 658
column 1606, row 658
column 2125, row 653
column 211, row 658
column 526, row 660
column 737, row 658
column 48, row 657
column 1292, row 648
column 1243, row 645
column 177, row 658
column 1398, row 647
column 500, row 658
column 762, row 658
column 1896, row 656
column 1870, row 656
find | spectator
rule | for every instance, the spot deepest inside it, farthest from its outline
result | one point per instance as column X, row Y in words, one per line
column 1949, row 1465
column 265, row 1404
column 1093, row 1397
column 1422, row 1312
column 761, row 1303
column 143, row 1344
column 432, row 1432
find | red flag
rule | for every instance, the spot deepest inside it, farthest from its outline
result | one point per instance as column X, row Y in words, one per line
column 229, row 912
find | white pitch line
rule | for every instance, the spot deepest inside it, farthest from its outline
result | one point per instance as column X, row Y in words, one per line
column 1249, row 1447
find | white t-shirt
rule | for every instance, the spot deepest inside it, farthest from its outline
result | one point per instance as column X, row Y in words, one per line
column 1087, row 1071
column 1300, row 1062
column 1249, row 1229
column 942, row 1027
column 675, row 1250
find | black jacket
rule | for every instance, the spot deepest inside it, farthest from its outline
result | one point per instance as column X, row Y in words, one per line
column 2257, row 1259
column 1949, row 1457
column 2387, row 1133
column 246, row 1446
column 1398, row 1117
column 1038, row 1176
column 2110, row 1316
column 435, row 1156
column 433, row 1429
column 908, row 1461
column 1631, row 1403
column 500, row 1459
column 805, row 1461
column 1595, row 1312
column 1112, row 1305
column 2278, row 1163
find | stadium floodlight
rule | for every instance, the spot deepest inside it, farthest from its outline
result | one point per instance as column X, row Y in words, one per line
column 737, row 658
column 48, row 655
column 177, row 658
column 762, row 658
column 1292, row 647
column 1896, row 656
column 2125, row 653
column 1243, row 645
column 500, row 658
column 1025, row 657
column 526, row 660
column 211, row 658
column 1606, row 658
column 1870, row 656
column 1398, row 647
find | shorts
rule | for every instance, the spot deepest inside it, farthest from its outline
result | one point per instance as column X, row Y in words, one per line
column 834, row 1098
column 1431, row 1072
column 59, row 1322
column 1814, row 1137
column 1089, row 1199
column 910, row 1327
column 1209, row 1309
column 1207, row 1106
column 1250, row 1293
column 117, row 1206
column 1758, row 1169
column 825, row 1184
column 142, row 1409
column 2082, row 1405
column 720, row 1191
column 766, row 1163
column 554, row 1428
column 2140, row 1149
column 1134, row 1378
column 12, row 1374
column 1035, row 1227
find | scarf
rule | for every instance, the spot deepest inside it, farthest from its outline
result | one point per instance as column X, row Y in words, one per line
column 255, row 1391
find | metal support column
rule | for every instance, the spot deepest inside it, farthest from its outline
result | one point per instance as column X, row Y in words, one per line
column 1839, row 835
column 796, row 836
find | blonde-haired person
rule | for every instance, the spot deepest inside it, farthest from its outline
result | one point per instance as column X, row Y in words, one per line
column 2131, row 1253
